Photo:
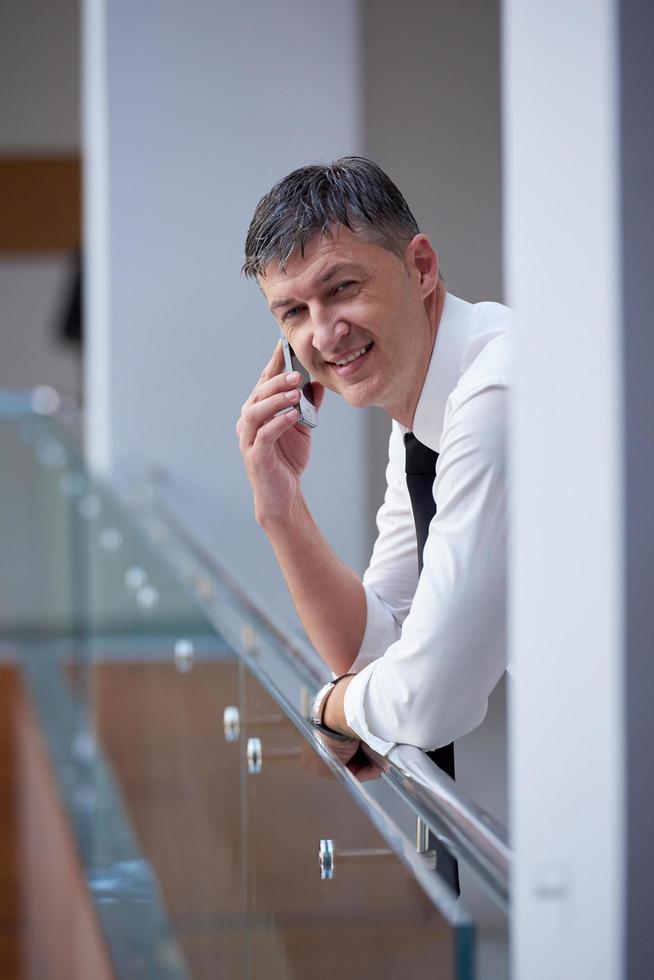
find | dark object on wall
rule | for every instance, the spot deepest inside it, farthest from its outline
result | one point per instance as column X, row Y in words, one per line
column 70, row 325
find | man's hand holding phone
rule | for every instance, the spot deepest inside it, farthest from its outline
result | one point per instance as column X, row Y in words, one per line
column 274, row 444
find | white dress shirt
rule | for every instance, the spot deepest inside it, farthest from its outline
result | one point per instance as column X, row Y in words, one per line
column 435, row 647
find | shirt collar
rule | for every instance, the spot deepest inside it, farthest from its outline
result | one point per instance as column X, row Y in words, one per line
column 443, row 372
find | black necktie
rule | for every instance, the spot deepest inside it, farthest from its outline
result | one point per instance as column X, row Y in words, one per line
column 420, row 475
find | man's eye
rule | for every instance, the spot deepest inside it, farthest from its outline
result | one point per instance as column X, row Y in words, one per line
column 290, row 314
column 344, row 285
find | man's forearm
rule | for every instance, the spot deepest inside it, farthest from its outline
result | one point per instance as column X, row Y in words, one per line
column 329, row 597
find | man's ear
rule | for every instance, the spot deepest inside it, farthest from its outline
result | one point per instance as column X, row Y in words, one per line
column 422, row 258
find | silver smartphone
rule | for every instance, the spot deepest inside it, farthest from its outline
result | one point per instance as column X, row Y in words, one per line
column 308, row 413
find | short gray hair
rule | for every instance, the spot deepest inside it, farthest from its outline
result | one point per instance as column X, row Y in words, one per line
column 352, row 191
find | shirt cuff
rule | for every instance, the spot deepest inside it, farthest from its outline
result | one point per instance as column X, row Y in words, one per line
column 381, row 631
column 353, row 704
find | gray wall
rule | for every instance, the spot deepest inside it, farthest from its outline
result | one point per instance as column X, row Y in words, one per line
column 431, row 118
column 39, row 115
column 637, row 200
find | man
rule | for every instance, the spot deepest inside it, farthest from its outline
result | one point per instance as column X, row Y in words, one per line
column 356, row 290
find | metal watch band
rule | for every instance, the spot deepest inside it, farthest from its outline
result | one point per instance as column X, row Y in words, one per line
column 318, row 708
column 318, row 705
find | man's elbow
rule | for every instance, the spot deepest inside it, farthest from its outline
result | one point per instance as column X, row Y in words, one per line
column 441, row 725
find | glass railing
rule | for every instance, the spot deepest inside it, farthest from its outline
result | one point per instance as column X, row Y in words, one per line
column 292, row 671
column 217, row 835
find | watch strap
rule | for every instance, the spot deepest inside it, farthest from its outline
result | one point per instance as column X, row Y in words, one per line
column 332, row 733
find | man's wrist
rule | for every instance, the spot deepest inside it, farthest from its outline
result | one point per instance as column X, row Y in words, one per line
column 328, row 710
column 290, row 519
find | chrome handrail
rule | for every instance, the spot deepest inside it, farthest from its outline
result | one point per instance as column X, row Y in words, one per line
column 467, row 829
column 464, row 826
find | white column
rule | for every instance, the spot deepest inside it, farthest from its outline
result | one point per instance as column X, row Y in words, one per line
column 560, row 97
column 97, row 268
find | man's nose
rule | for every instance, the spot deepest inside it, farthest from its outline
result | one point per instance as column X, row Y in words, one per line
column 329, row 329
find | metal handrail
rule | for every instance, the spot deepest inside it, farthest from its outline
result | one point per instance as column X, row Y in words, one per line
column 467, row 829
column 464, row 826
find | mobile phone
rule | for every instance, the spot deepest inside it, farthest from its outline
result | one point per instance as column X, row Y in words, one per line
column 308, row 413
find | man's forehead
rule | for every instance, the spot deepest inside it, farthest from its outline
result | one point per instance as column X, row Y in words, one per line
column 322, row 255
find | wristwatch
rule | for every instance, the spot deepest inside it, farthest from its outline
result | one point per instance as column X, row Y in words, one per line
column 318, row 708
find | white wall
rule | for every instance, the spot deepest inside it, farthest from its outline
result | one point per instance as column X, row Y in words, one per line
column 207, row 106
column 39, row 115
column 563, row 265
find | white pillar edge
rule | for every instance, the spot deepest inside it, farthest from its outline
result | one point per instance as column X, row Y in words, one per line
column 96, row 238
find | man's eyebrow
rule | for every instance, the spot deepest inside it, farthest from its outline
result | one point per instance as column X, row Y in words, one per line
column 339, row 267
column 334, row 271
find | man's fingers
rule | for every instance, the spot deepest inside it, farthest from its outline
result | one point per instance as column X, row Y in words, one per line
column 270, row 431
column 364, row 769
column 271, row 386
column 254, row 414
column 276, row 363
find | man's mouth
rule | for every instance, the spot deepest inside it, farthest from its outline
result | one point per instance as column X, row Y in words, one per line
column 351, row 357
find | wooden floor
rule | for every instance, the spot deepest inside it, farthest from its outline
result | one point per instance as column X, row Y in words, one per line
column 10, row 923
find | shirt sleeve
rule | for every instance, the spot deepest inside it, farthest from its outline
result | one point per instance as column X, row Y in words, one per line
column 432, row 683
column 391, row 578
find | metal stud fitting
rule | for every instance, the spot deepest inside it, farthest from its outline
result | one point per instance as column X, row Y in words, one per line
column 327, row 855
column 254, row 755
column 184, row 656
column 232, row 723
column 326, row 859
column 147, row 597
column 422, row 837
column 135, row 577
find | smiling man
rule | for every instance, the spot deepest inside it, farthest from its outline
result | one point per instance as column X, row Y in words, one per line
column 419, row 643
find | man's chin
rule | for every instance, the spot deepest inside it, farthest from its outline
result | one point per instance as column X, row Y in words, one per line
column 358, row 396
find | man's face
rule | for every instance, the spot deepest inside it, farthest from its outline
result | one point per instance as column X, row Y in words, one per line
column 355, row 315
